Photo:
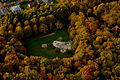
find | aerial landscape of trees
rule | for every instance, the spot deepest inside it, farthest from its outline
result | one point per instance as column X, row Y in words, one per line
column 93, row 28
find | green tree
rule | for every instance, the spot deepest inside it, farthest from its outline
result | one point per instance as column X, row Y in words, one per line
column 15, row 20
column 12, row 61
column 51, row 20
column 10, row 27
column 35, row 29
column 19, row 32
column 42, row 19
column 59, row 25
column 33, row 20
column 26, row 23
column 27, row 31
column 43, row 28
column 45, row 61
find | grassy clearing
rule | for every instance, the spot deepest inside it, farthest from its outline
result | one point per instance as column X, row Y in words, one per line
column 24, row 6
column 34, row 46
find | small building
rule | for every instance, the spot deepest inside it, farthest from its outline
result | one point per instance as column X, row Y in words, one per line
column 1, row 15
column 15, row 8
column 47, row 1
column 3, row 11
column 44, row 45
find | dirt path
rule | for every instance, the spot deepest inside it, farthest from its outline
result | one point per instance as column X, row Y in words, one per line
column 45, row 36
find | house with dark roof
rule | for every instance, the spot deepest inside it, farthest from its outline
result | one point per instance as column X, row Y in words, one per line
column 3, row 11
column 15, row 8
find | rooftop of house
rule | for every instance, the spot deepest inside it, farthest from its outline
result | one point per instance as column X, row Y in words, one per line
column 15, row 8
column 47, row 1
column 3, row 10
column 1, row 13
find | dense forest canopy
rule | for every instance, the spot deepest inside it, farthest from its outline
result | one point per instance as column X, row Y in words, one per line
column 93, row 28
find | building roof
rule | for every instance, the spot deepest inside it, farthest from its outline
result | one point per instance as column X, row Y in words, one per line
column 47, row 1
column 3, row 10
column 1, row 13
column 15, row 8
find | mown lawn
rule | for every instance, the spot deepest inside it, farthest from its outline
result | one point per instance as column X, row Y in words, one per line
column 34, row 46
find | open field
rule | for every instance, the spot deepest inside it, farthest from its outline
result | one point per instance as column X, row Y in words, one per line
column 33, row 45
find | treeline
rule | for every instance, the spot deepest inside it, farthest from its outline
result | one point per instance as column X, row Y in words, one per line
column 96, row 41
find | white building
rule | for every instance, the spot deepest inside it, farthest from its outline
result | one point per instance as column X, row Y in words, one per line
column 63, row 46
column 15, row 8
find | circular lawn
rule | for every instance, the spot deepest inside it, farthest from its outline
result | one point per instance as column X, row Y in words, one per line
column 33, row 45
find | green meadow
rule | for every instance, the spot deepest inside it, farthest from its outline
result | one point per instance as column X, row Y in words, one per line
column 33, row 45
